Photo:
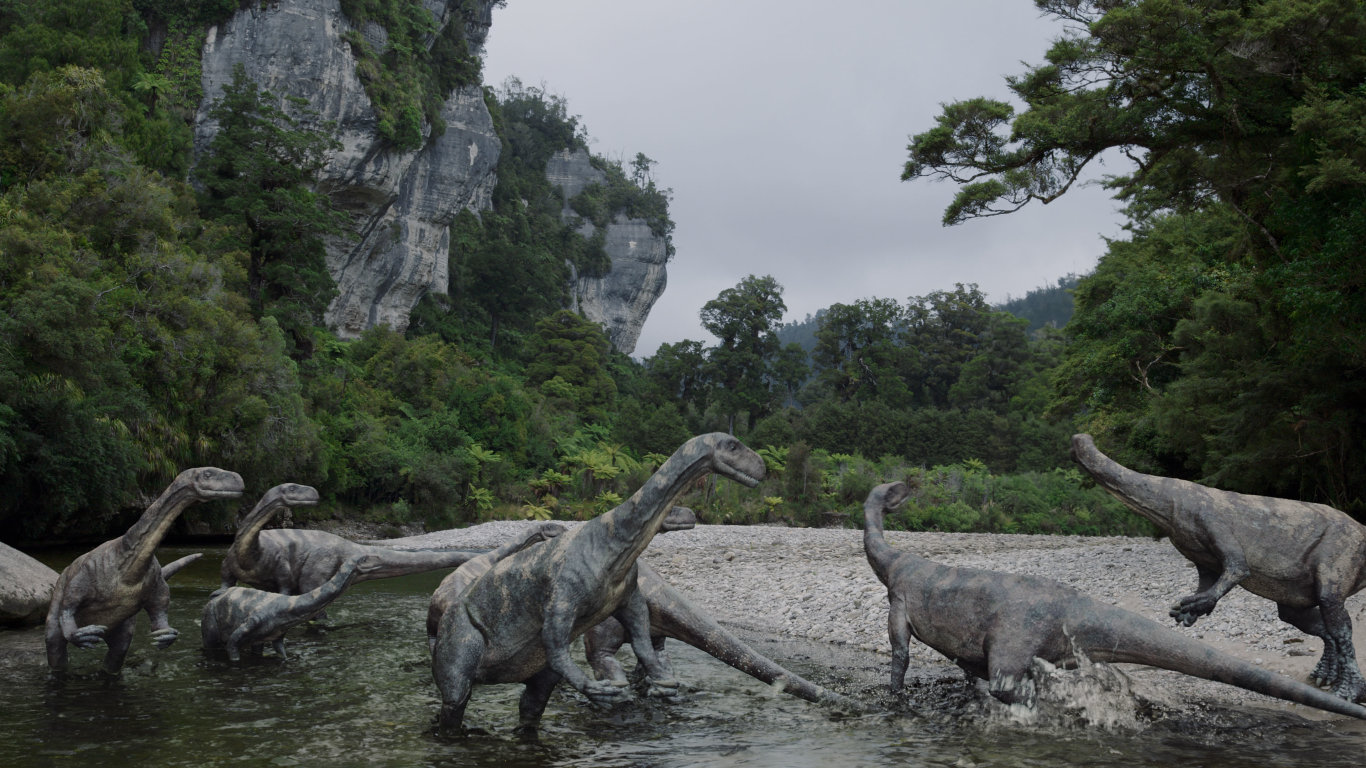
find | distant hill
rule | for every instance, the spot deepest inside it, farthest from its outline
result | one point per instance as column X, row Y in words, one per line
column 1042, row 306
column 1045, row 305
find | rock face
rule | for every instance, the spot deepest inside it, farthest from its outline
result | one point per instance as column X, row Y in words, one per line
column 25, row 588
column 622, row 298
column 402, row 203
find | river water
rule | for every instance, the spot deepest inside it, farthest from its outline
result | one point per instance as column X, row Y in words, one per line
column 359, row 691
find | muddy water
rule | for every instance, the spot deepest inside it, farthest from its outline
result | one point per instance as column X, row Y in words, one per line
column 359, row 692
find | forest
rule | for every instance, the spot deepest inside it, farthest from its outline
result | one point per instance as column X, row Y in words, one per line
column 164, row 311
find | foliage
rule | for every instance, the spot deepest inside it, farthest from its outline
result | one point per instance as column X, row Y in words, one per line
column 259, row 177
column 412, row 64
column 743, row 319
column 1222, row 340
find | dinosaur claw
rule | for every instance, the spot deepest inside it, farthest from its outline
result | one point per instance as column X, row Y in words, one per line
column 162, row 638
column 606, row 693
column 89, row 636
column 665, row 688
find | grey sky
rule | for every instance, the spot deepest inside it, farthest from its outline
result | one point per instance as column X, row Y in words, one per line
column 781, row 126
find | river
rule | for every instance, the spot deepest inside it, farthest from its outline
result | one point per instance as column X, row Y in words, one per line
column 359, row 691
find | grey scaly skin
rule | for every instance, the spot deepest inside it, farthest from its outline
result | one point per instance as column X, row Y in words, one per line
column 98, row 596
column 994, row 625
column 516, row 623
column 238, row 618
column 457, row 582
column 1307, row 558
column 292, row 562
column 673, row 616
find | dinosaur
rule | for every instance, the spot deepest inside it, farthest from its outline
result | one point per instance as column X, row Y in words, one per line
column 98, row 596
column 294, row 561
column 457, row 582
column 672, row 615
column 242, row 617
column 993, row 625
column 516, row 623
column 1307, row 558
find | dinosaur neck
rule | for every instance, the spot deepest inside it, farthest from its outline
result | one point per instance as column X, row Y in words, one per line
column 880, row 554
column 632, row 525
column 310, row 602
column 138, row 544
column 247, row 542
column 396, row 562
column 1142, row 493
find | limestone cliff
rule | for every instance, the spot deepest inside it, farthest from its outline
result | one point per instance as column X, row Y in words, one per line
column 622, row 298
column 402, row 202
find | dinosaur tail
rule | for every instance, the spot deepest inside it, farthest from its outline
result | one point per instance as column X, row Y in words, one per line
column 682, row 621
column 1139, row 640
column 172, row 568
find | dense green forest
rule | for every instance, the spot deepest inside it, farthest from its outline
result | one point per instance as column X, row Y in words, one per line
column 154, row 318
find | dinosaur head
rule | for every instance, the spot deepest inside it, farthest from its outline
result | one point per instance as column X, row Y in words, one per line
column 1082, row 445
column 731, row 458
column 678, row 519
column 367, row 563
column 549, row 531
column 212, row 483
column 885, row 498
column 293, row 495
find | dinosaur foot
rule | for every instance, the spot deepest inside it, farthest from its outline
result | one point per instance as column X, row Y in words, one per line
column 162, row 638
column 1326, row 673
column 666, row 689
column 1351, row 688
column 88, row 636
column 606, row 692
column 1190, row 608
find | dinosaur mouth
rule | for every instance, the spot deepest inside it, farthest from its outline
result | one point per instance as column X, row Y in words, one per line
column 740, row 476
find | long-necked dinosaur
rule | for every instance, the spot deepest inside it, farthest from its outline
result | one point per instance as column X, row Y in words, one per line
column 515, row 624
column 98, row 596
column 294, row 561
column 993, row 625
column 1307, row 558
column 241, row 617
column 458, row 581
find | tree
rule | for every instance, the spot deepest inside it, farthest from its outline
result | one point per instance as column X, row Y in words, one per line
column 1243, row 121
column 571, row 352
column 856, row 348
column 745, row 320
column 260, row 175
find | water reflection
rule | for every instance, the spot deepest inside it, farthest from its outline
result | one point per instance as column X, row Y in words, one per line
column 359, row 692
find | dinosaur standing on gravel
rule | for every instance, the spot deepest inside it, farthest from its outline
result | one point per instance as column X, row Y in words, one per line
column 457, row 582
column 1307, row 558
column 98, row 596
column 515, row 624
column 993, row 625
column 241, row 617
column 672, row 615
column 293, row 561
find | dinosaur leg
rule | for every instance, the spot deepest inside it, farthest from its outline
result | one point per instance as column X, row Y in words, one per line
column 635, row 616
column 1179, row 611
column 1310, row 621
column 455, row 661
column 55, row 641
column 600, row 645
column 119, row 640
column 556, row 630
column 1348, row 682
column 662, row 653
column 899, row 631
column 1008, row 668
column 533, row 701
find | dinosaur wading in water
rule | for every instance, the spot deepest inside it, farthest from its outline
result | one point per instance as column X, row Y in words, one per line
column 98, row 596
column 993, row 625
column 241, row 617
column 1307, row 558
column 516, row 623
column 293, row 561
column 457, row 582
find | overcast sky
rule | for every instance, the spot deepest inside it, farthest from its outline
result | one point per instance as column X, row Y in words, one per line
column 781, row 126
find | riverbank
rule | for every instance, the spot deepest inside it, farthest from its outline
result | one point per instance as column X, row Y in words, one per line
column 815, row 586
